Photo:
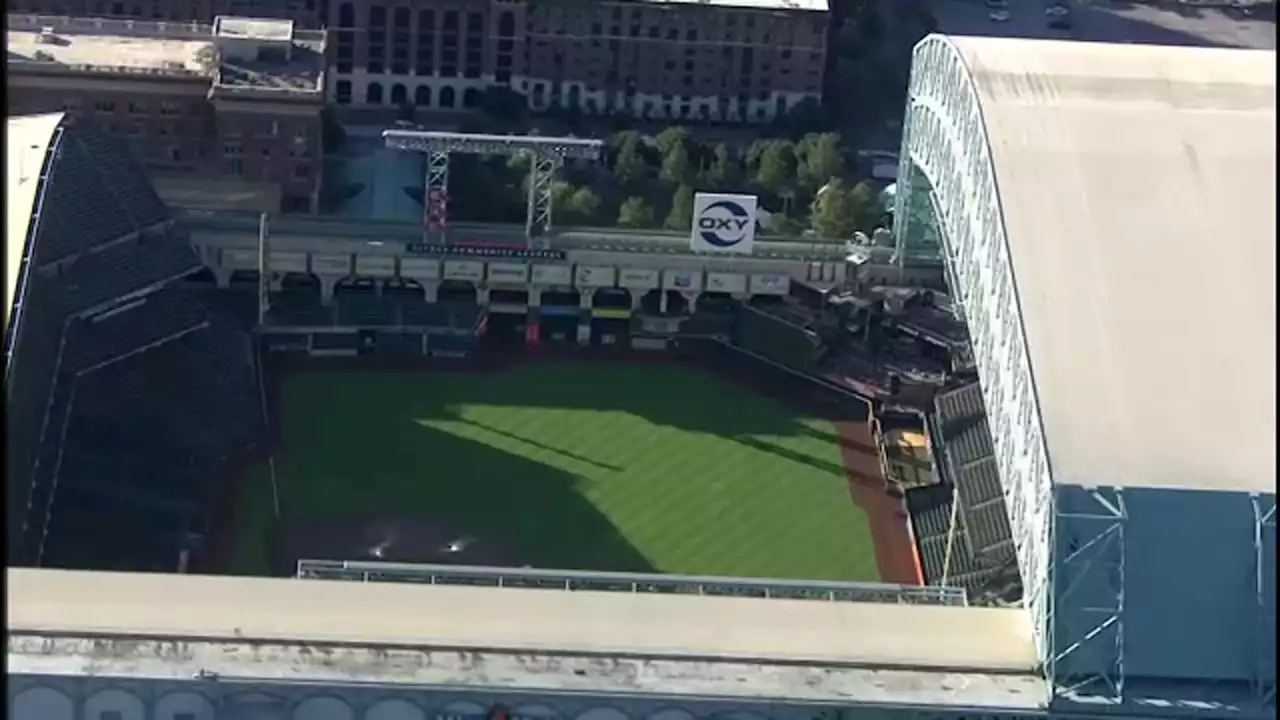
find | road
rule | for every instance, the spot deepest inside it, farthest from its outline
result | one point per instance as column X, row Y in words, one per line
column 1246, row 24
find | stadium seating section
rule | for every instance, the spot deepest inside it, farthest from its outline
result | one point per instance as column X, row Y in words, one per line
column 137, row 390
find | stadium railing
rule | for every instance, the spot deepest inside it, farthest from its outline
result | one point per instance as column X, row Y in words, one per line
column 576, row 580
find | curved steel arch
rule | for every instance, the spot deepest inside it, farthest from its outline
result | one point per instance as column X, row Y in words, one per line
column 945, row 138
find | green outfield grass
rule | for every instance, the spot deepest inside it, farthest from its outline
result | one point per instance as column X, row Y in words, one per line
column 590, row 466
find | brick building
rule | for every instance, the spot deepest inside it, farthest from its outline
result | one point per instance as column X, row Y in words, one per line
column 727, row 60
column 231, row 108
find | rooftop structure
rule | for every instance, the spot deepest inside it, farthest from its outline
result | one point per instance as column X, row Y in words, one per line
column 26, row 146
column 237, row 55
column 671, row 644
column 1076, row 186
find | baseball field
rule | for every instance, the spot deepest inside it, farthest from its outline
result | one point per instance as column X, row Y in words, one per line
column 573, row 465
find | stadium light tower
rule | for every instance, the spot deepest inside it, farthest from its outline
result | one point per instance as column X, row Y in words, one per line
column 546, row 155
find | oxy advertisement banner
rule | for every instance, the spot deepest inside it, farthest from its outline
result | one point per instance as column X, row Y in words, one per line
column 552, row 275
column 726, row 282
column 287, row 262
column 466, row 270
column 595, row 276
column 682, row 280
column 508, row 273
column 376, row 265
column 420, row 269
column 770, row 284
column 638, row 279
column 331, row 265
column 723, row 223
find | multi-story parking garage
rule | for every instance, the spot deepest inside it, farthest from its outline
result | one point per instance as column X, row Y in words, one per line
column 1107, row 216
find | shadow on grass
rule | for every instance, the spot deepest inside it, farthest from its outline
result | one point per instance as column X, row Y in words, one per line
column 410, row 488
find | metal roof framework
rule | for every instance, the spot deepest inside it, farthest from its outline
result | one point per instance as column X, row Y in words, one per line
column 1025, row 149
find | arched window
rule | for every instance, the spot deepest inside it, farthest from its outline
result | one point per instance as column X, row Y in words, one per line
column 399, row 96
column 373, row 94
column 343, row 93
column 447, row 97
column 422, row 96
column 346, row 15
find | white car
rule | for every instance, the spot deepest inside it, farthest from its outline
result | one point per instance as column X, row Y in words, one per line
column 999, row 16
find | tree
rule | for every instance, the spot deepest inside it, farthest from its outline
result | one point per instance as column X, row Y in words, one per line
column 823, row 160
column 628, row 165
column 635, row 213
column 835, row 212
column 676, row 169
column 681, row 215
column 671, row 137
column 776, row 166
column 781, row 224
column 585, row 204
column 726, row 171
column 866, row 207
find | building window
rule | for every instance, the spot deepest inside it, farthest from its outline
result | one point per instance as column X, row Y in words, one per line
column 422, row 96
column 399, row 95
column 137, row 108
column 104, row 106
column 301, row 172
column 447, row 99
column 343, row 92
column 232, row 150
column 169, row 108
column 373, row 94
column 233, row 167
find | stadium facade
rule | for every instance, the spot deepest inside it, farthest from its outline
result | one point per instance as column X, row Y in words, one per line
column 1147, row 554
column 1071, row 188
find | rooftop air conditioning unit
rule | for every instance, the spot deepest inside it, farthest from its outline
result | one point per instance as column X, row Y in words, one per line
column 47, row 36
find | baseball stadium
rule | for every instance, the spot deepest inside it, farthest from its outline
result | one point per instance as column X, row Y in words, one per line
column 273, row 467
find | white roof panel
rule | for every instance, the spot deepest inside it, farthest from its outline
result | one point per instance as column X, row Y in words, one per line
column 26, row 143
column 1138, row 188
column 372, row 614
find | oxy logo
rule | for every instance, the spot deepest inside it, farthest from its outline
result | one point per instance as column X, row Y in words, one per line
column 724, row 224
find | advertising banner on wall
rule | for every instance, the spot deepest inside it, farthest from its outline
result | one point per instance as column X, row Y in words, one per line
column 331, row 265
column 682, row 280
column 552, row 275
column 484, row 250
column 377, row 265
column 723, row 223
column 509, row 273
column 726, row 282
column 288, row 262
column 638, row 279
column 420, row 269
column 467, row 270
column 595, row 276
column 770, row 284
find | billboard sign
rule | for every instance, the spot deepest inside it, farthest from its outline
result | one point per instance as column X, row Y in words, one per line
column 378, row 265
column 484, row 251
column 512, row 273
column 726, row 282
column 463, row 270
column 420, row 269
column 331, row 265
column 552, row 275
column 287, row 262
column 595, row 276
column 723, row 223
column 637, row 279
column 682, row 280
column 770, row 284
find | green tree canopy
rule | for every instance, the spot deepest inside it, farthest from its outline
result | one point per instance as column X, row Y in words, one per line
column 635, row 213
column 681, row 215
column 676, row 169
column 835, row 212
column 668, row 139
column 823, row 160
column 628, row 163
column 776, row 166
column 725, row 172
